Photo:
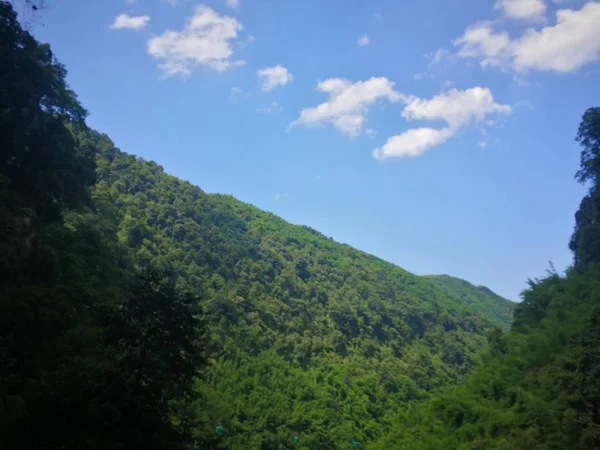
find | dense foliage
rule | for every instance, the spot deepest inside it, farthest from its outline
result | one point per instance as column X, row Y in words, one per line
column 539, row 385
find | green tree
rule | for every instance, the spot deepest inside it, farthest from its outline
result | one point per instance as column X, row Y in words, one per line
column 40, row 164
column 585, row 242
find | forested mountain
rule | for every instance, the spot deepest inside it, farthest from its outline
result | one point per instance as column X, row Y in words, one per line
column 139, row 312
column 308, row 337
column 480, row 298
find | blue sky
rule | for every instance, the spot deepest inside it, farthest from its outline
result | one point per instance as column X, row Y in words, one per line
column 436, row 134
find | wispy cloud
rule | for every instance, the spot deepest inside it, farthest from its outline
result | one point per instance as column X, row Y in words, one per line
column 371, row 132
column 125, row 21
column 363, row 41
column 234, row 4
column 271, row 109
column 237, row 93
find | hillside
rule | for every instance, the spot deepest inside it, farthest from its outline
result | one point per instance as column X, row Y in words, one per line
column 537, row 388
column 307, row 336
column 480, row 298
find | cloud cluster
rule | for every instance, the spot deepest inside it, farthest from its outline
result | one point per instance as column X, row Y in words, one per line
column 348, row 103
column 457, row 108
column 271, row 77
column 571, row 43
column 206, row 40
column 125, row 21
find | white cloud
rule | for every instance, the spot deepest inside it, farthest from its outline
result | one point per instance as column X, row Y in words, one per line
column 418, row 76
column 522, row 9
column 171, row 2
column 279, row 196
column 413, row 142
column 348, row 103
column 271, row 77
column 371, row 132
column 483, row 144
column 235, row 4
column 456, row 108
column 363, row 41
column 565, row 47
column 481, row 41
column 131, row 2
column 133, row 23
column 206, row 40
column 271, row 109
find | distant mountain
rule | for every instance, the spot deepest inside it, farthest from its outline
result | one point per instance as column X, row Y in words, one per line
column 482, row 299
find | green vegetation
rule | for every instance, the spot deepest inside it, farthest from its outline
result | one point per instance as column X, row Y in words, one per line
column 138, row 311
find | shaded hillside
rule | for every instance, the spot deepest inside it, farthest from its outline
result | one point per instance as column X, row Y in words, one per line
column 308, row 337
column 480, row 298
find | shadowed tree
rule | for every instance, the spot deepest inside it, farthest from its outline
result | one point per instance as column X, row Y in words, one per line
column 585, row 242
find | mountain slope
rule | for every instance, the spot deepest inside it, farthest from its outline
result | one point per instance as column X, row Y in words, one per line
column 480, row 298
column 308, row 337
